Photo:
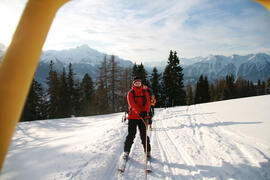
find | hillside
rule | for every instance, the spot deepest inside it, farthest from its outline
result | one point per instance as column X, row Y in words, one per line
column 220, row 140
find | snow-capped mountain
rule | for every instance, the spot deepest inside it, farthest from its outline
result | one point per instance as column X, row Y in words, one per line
column 257, row 67
column 81, row 54
column 250, row 67
column 189, row 61
column 160, row 65
column 86, row 60
column 83, row 58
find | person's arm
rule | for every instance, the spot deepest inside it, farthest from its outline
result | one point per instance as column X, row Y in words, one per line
column 155, row 101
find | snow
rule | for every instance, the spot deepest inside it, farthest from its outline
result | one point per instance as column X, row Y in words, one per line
column 221, row 140
column 217, row 66
column 81, row 54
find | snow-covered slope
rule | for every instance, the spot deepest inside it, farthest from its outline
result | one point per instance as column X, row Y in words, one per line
column 220, row 140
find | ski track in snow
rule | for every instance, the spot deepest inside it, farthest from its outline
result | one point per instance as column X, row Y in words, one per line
column 188, row 143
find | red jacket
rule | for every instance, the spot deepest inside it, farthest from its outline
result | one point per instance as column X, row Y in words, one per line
column 136, row 108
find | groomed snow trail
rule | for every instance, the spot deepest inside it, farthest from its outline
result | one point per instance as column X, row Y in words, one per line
column 197, row 142
column 190, row 143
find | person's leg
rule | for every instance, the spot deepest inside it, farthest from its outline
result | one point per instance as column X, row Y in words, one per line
column 142, row 129
column 153, row 111
column 132, row 128
column 150, row 123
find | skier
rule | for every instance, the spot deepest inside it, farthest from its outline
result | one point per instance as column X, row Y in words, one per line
column 139, row 106
column 152, row 111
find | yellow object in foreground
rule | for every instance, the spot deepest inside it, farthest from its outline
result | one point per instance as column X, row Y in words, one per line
column 265, row 3
column 19, row 64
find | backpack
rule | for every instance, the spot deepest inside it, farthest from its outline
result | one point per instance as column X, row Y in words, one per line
column 134, row 97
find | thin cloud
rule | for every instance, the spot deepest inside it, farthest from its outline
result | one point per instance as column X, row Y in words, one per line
column 146, row 30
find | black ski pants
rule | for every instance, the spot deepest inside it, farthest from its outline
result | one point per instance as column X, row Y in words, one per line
column 132, row 129
column 151, row 114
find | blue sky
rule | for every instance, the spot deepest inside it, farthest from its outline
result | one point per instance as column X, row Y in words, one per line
column 144, row 31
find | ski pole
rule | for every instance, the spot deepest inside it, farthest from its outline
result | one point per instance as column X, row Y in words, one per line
column 146, row 126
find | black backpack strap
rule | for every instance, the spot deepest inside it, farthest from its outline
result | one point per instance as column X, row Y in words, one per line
column 133, row 93
column 144, row 97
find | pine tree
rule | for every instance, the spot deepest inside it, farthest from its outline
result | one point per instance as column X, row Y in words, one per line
column 251, row 89
column 77, row 98
column 53, row 92
column 141, row 72
column 199, row 90
column 189, row 95
column 220, row 88
column 34, row 106
column 135, row 71
column 260, row 87
column 202, row 93
column 70, row 89
column 212, row 93
column 267, row 87
column 156, row 86
column 263, row 88
column 206, row 92
column 64, row 97
column 87, row 92
column 173, row 86
column 229, row 91
column 42, row 104
column 167, row 78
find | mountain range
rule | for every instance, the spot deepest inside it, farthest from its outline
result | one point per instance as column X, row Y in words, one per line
column 83, row 58
column 87, row 60
column 251, row 67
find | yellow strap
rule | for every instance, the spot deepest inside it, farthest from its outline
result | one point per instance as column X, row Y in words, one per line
column 19, row 64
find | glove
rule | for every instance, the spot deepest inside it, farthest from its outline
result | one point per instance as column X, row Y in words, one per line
column 143, row 114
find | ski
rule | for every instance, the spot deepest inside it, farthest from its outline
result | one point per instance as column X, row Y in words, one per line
column 122, row 165
column 149, row 167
